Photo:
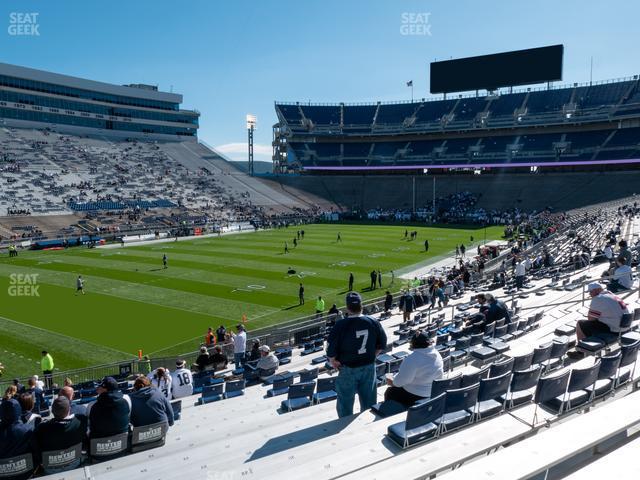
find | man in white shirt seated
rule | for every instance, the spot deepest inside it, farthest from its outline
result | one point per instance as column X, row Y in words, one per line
column 268, row 362
column 622, row 277
column 605, row 313
column 181, row 380
column 417, row 372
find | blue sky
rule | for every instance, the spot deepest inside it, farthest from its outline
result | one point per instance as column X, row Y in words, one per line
column 233, row 57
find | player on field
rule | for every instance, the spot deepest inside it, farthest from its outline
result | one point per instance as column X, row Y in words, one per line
column 339, row 239
column 80, row 285
column 286, row 247
column 164, row 260
column 301, row 294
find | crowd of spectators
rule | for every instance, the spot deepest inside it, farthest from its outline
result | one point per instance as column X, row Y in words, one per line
column 457, row 208
column 24, row 428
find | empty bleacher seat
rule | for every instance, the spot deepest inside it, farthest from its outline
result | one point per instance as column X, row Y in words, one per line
column 551, row 392
column 607, row 373
column 148, row 436
column 299, row 396
column 443, row 384
column 234, row 388
column 522, row 384
column 211, row 393
column 325, row 390
column 492, row 395
column 308, row 375
column 459, row 407
column 420, row 423
column 499, row 368
column 280, row 386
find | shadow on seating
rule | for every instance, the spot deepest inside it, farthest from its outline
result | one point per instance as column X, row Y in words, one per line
column 301, row 437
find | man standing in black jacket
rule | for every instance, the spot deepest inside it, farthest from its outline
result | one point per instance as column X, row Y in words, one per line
column 109, row 414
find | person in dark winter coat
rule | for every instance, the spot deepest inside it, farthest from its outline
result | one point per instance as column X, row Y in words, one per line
column 388, row 301
column 149, row 405
column 109, row 415
column 15, row 436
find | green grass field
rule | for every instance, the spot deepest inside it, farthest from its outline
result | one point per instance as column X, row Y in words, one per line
column 132, row 303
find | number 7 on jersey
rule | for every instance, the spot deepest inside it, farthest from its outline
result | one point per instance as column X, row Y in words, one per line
column 365, row 335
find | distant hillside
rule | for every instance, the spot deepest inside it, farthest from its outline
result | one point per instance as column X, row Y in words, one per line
column 258, row 167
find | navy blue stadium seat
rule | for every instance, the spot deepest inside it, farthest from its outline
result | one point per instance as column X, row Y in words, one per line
column 325, row 390
column 492, row 394
column 420, row 424
column 298, row 396
column 459, row 407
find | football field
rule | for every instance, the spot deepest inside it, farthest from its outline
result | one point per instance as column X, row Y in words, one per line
column 133, row 303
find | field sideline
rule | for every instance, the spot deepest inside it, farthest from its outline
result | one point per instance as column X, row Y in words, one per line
column 133, row 303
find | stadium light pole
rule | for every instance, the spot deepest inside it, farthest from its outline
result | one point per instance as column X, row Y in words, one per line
column 252, row 121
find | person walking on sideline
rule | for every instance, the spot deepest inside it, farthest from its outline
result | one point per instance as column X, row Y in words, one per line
column 353, row 344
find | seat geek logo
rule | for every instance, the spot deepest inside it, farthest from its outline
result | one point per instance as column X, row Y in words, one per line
column 415, row 24
column 24, row 24
column 23, row 285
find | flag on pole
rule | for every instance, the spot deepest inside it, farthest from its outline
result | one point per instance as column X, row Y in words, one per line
column 410, row 83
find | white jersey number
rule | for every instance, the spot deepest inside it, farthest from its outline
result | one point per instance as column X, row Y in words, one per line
column 365, row 336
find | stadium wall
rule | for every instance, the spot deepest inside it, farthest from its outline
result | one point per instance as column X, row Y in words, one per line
column 562, row 191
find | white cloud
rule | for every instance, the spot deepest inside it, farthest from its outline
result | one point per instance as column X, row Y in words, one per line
column 239, row 151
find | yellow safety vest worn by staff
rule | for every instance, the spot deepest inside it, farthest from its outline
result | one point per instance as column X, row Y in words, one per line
column 320, row 305
column 46, row 363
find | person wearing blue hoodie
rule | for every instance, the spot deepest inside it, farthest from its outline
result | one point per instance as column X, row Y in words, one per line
column 15, row 437
column 149, row 405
